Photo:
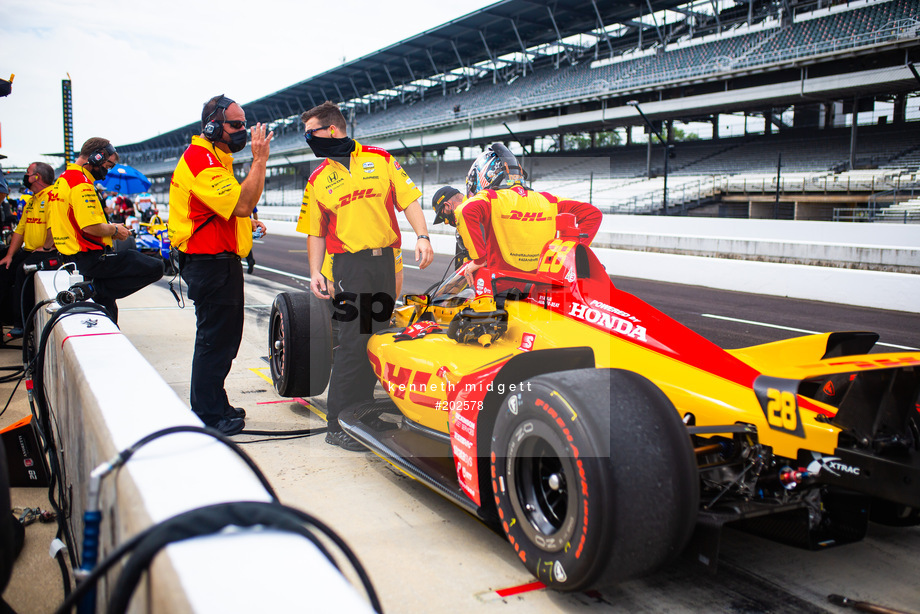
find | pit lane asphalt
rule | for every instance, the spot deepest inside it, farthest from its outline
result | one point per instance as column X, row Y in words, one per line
column 424, row 554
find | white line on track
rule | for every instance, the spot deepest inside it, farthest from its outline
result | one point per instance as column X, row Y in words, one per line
column 270, row 270
column 795, row 330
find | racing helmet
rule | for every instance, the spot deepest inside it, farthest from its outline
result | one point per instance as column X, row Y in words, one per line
column 494, row 168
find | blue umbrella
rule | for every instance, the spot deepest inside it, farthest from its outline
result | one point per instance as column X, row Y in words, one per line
column 125, row 179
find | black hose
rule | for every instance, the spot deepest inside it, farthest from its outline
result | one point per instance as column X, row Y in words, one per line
column 127, row 453
column 44, row 424
column 207, row 521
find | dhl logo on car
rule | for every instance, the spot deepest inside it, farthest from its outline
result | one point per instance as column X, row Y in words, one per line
column 357, row 195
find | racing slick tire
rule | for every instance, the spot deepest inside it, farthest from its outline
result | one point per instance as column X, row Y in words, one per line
column 299, row 344
column 594, row 477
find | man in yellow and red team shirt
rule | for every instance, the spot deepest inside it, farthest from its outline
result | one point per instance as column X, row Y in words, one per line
column 210, row 225
column 349, row 209
column 83, row 235
column 505, row 225
column 28, row 243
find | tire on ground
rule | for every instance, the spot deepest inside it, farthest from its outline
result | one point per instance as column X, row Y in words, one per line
column 594, row 477
column 299, row 344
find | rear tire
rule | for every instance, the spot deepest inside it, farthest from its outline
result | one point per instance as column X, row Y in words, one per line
column 299, row 345
column 594, row 477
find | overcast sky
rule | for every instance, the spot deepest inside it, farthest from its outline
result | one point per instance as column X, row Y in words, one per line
column 139, row 69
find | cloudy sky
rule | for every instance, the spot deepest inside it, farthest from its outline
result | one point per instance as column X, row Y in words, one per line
column 139, row 69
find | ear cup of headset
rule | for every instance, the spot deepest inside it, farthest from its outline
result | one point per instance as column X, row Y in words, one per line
column 214, row 129
column 101, row 155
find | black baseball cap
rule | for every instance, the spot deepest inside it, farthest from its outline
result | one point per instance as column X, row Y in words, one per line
column 437, row 203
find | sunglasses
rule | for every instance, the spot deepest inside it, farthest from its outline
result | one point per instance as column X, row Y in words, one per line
column 236, row 124
column 307, row 135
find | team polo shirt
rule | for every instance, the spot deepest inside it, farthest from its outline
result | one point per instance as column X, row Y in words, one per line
column 72, row 206
column 507, row 228
column 355, row 208
column 33, row 225
column 202, row 196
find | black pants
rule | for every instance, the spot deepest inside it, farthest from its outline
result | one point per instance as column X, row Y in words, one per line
column 9, row 298
column 24, row 290
column 216, row 286
column 353, row 378
column 117, row 274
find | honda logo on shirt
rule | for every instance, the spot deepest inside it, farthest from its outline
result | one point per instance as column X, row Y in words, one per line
column 357, row 195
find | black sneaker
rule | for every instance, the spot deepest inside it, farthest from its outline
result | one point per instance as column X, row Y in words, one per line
column 229, row 426
column 234, row 412
column 344, row 441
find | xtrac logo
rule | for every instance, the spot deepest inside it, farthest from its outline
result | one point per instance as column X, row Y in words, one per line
column 532, row 216
column 832, row 465
column 357, row 195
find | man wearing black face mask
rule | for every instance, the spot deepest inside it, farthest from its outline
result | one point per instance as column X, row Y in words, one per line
column 33, row 237
column 349, row 209
column 83, row 235
column 209, row 224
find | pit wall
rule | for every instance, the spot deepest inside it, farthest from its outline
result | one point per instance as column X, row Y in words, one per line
column 98, row 415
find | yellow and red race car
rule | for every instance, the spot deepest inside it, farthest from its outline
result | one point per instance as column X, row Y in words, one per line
column 602, row 437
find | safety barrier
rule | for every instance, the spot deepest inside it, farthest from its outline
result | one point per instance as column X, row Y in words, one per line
column 105, row 397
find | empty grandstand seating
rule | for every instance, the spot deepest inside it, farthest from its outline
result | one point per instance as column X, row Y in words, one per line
column 829, row 30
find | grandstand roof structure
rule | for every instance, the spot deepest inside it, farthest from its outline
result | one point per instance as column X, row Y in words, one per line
column 547, row 72
column 489, row 33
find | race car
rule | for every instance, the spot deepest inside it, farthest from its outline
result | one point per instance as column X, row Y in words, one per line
column 602, row 437
column 152, row 238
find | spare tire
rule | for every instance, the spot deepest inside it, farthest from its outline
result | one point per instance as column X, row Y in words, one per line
column 594, row 477
column 299, row 344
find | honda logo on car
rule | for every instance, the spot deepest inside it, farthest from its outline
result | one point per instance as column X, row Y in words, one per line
column 607, row 320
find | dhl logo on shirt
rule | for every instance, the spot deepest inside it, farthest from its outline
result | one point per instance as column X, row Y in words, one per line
column 34, row 220
column 357, row 195
column 534, row 216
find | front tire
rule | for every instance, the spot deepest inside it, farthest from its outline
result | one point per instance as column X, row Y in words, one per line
column 299, row 345
column 594, row 477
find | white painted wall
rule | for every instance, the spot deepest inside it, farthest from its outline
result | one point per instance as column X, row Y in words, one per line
column 796, row 240
column 99, row 415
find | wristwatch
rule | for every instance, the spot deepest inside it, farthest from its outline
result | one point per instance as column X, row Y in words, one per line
column 424, row 237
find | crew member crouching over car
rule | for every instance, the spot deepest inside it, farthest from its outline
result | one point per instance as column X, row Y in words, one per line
column 504, row 224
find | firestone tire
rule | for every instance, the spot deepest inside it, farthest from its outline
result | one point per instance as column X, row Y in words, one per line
column 594, row 477
column 299, row 345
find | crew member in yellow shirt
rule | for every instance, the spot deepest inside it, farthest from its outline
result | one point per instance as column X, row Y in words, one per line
column 349, row 209
column 210, row 225
column 28, row 243
column 84, row 236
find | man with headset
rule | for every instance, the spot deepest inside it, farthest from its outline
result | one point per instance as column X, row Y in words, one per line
column 83, row 235
column 210, row 225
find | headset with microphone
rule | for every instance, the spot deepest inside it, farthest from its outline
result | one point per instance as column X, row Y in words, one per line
column 98, row 157
column 214, row 129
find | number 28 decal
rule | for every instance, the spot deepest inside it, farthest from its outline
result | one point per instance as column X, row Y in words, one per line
column 777, row 399
column 555, row 256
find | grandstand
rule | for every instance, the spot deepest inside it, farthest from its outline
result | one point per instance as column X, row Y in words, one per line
column 831, row 83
